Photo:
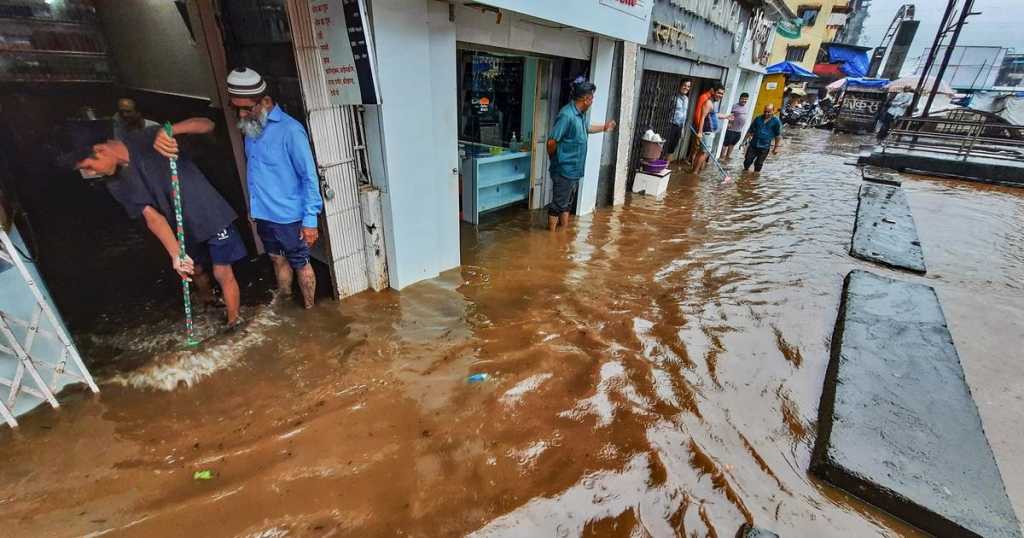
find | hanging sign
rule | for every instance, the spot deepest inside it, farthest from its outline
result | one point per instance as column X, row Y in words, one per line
column 790, row 29
column 343, row 36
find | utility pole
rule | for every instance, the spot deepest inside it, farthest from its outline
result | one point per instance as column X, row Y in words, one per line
column 964, row 13
column 934, row 51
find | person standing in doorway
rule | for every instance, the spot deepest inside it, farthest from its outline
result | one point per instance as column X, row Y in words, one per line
column 897, row 109
column 740, row 113
column 764, row 135
column 706, row 122
column 284, row 186
column 567, row 148
column 680, row 107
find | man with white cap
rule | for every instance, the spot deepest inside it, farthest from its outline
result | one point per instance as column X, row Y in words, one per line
column 284, row 186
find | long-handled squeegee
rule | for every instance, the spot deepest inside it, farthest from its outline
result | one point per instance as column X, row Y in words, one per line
column 725, row 177
column 180, row 225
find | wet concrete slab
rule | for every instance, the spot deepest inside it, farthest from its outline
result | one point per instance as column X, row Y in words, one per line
column 898, row 426
column 884, row 231
column 881, row 175
column 983, row 169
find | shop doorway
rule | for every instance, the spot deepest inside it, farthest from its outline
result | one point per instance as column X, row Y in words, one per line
column 507, row 102
column 654, row 111
column 58, row 95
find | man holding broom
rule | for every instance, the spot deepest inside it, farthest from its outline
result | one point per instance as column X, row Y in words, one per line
column 140, row 181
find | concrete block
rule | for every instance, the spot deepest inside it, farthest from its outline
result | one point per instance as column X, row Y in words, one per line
column 898, row 426
column 884, row 231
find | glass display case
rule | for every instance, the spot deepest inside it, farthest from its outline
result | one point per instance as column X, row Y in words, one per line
column 57, row 41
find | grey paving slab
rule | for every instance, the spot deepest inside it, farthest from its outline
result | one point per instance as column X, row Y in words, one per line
column 884, row 231
column 898, row 426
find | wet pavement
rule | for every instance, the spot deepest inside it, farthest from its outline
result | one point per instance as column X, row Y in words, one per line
column 655, row 370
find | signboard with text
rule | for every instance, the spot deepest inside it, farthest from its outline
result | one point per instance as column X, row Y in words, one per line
column 628, row 20
column 343, row 35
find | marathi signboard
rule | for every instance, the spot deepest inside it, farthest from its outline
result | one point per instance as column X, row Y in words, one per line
column 790, row 29
column 343, row 35
column 859, row 110
column 628, row 20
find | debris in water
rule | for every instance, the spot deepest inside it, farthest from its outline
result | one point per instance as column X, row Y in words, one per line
column 205, row 474
column 476, row 378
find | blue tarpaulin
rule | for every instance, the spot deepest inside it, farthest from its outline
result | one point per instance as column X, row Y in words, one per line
column 878, row 83
column 791, row 69
column 853, row 62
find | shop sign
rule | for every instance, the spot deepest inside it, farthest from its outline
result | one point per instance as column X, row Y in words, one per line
column 672, row 35
column 759, row 28
column 790, row 29
column 619, row 19
column 343, row 36
column 724, row 14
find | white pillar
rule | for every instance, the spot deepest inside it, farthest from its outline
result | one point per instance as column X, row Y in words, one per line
column 600, row 74
column 627, row 121
column 414, row 127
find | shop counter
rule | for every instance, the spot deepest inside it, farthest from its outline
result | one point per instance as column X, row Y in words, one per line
column 493, row 181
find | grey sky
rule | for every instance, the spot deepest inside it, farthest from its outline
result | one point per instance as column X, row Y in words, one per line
column 1000, row 24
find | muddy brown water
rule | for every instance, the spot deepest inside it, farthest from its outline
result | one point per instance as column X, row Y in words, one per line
column 655, row 371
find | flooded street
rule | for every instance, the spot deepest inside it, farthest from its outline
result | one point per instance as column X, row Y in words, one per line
column 655, row 370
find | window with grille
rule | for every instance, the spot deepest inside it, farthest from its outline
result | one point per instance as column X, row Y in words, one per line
column 796, row 54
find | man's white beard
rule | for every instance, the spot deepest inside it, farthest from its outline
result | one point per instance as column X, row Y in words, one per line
column 253, row 125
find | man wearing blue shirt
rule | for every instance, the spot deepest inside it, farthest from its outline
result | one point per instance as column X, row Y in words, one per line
column 765, row 131
column 567, row 148
column 284, row 185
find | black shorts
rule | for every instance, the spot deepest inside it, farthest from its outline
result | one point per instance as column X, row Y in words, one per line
column 563, row 194
column 284, row 240
column 732, row 138
column 224, row 248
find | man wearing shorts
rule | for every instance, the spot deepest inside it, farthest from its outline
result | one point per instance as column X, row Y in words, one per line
column 567, row 148
column 740, row 114
column 141, row 183
column 284, row 185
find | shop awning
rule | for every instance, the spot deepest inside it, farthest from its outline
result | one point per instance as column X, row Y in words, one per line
column 789, row 69
column 628, row 20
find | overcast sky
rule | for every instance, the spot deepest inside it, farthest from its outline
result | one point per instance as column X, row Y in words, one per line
column 1000, row 24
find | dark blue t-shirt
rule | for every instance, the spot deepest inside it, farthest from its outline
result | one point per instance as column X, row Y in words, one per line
column 146, row 181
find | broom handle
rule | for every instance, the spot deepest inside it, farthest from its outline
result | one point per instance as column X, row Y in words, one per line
column 180, row 227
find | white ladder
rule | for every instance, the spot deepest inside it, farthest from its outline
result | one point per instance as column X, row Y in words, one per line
column 21, row 351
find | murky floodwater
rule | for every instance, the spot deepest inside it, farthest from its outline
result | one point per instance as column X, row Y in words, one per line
column 655, row 370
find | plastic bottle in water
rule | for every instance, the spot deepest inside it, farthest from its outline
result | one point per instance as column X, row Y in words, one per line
column 477, row 378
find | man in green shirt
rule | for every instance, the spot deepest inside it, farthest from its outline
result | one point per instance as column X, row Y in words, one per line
column 567, row 148
column 764, row 134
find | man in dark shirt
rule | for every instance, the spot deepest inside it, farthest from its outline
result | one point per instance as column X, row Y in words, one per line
column 140, row 180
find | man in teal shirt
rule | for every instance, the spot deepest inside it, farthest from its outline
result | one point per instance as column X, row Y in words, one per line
column 567, row 148
column 764, row 131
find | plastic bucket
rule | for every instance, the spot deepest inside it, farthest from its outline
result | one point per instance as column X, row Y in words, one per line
column 650, row 150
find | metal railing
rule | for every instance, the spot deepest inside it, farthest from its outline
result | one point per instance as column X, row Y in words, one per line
column 958, row 137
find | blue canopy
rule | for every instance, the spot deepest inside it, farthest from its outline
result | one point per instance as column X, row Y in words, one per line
column 791, row 69
column 865, row 82
column 853, row 61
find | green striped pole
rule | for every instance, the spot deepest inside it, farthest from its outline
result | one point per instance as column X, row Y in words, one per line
column 176, row 187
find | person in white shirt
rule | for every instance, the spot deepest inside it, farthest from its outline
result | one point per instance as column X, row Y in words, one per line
column 897, row 109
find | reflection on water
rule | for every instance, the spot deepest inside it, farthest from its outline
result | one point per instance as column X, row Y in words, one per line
column 655, row 371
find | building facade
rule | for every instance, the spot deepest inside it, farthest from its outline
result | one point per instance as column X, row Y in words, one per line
column 815, row 23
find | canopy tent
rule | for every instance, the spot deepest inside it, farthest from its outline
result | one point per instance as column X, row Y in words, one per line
column 859, row 82
column 911, row 82
column 789, row 69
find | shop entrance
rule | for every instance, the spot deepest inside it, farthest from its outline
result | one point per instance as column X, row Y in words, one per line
column 506, row 103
